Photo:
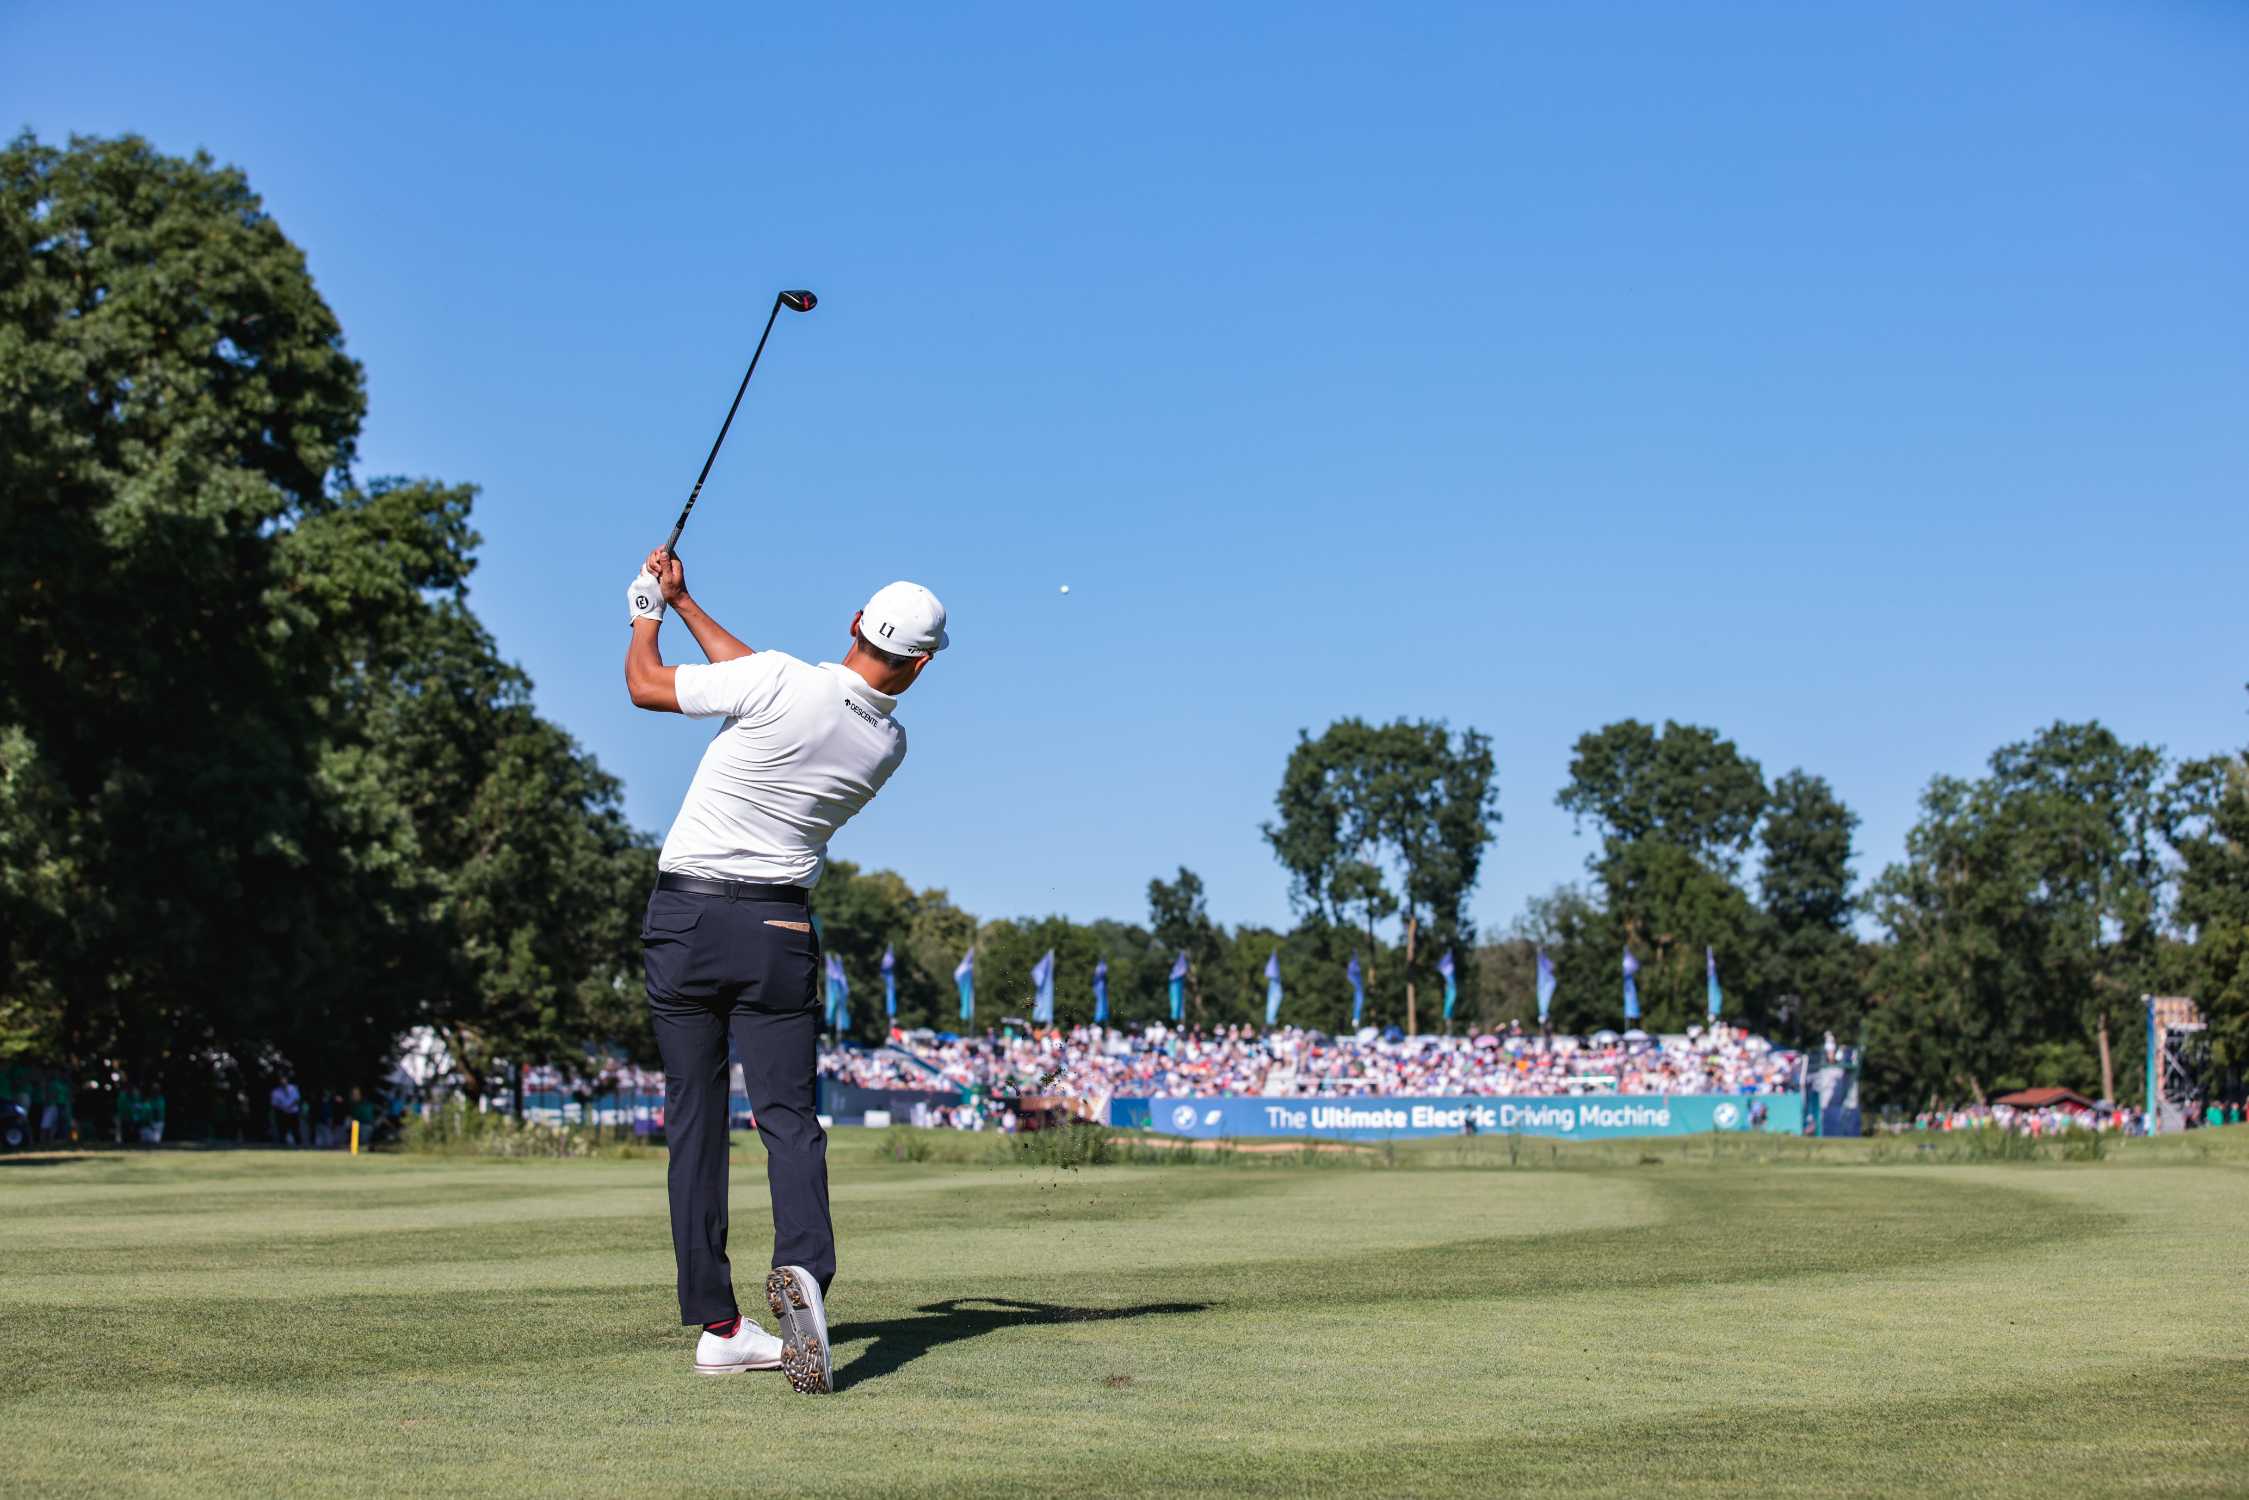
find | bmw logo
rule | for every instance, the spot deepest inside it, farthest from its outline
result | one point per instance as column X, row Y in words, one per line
column 1183, row 1118
column 1726, row 1116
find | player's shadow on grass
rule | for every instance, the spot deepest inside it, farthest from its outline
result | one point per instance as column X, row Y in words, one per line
column 900, row 1341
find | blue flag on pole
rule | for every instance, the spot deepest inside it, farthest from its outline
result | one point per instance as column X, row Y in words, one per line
column 1101, row 993
column 1358, row 991
column 889, row 984
column 839, row 996
column 1631, row 990
column 1042, row 977
column 1179, row 987
column 1545, row 985
column 964, row 975
column 1710, row 977
column 1273, row 988
column 1452, row 983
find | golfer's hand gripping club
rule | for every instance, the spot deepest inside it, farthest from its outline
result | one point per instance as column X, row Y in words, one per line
column 661, row 581
column 798, row 301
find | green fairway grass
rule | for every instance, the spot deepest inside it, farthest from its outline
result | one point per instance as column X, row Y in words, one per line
column 1675, row 1317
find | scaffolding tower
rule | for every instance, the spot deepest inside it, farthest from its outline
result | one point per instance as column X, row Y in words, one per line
column 2178, row 1059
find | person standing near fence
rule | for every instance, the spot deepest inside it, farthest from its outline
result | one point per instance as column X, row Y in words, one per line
column 728, row 943
column 285, row 1113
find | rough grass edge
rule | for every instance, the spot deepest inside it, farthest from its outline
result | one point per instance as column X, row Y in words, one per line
column 1091, row 1146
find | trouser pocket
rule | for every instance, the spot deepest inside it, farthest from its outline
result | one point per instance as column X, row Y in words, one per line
column 779, row 951
column 674, row 941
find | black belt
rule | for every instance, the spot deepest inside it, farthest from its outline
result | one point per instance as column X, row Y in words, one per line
column 733, row 890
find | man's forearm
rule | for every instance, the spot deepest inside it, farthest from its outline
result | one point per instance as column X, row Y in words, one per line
column 648, row 681
column 717, row 643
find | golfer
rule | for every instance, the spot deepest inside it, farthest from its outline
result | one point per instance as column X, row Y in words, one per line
column 728, row 942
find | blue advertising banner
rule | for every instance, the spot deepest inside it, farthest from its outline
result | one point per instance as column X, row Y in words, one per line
column 1579, row 1117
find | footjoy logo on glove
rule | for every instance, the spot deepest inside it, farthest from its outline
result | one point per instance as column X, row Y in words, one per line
column 1183, row 1118
column 640, row 601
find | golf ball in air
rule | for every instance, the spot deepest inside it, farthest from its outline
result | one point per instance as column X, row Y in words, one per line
column 1065, row 588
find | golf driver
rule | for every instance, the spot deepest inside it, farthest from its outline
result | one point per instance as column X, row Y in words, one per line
column 794, row 302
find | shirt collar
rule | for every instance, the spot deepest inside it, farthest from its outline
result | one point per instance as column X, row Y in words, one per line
column 882, row 703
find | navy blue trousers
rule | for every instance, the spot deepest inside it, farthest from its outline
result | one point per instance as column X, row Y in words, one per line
column 720, row 967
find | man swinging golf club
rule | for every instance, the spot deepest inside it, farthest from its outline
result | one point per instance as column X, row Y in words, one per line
column 728, row 943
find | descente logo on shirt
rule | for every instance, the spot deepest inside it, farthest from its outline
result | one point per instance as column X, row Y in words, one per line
column 860, row 709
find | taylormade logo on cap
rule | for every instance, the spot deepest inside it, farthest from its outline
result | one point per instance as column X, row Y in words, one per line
column 904, row 619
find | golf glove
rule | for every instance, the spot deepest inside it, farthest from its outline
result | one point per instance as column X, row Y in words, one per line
column 644, row 600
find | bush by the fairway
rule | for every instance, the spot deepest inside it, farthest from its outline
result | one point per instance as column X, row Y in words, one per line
column 455, row 1129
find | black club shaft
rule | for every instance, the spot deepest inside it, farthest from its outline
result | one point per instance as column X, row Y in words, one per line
column 795, row 301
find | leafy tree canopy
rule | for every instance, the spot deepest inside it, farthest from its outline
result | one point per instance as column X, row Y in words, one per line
column 1684, row 785
column 2025, row 919
column 268, row 795
column 1383, row 820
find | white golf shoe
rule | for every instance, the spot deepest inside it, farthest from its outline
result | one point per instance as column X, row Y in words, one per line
column 751, row 1348
column 795, row 1299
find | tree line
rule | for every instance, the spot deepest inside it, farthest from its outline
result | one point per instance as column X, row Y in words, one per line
column 2011, row 945
column 2034, row 907
column 270, row 796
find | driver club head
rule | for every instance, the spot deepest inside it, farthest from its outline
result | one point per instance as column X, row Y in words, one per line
column 799, row 301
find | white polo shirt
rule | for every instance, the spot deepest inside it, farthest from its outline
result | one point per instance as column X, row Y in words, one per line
column 802, row 750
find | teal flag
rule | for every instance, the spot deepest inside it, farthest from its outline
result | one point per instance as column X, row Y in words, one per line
column 1710, row 976
column 1452, row 985
column 1545, row 985
column 1179, row 988
column 1273, row 988
column 964, row 975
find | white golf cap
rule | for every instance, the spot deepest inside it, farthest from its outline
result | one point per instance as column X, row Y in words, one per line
column 904, row 619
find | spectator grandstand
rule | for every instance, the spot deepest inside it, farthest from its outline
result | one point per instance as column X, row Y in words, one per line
column 1289, row 1062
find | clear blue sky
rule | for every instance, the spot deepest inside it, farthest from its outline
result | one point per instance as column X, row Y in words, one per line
column 1870, row 381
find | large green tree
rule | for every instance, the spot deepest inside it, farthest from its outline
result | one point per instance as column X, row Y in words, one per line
column 2213, row 902
column 172, row 394
column 2025, row 921
column 1677, row 809
column 1382, row 820
column 1807, row 976
column 267, row 794
column 1683, row 785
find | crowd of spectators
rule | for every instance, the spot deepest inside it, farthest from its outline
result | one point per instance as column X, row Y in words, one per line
column 2045, row 1121
column 1290, row 1062
column 42, row 1095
